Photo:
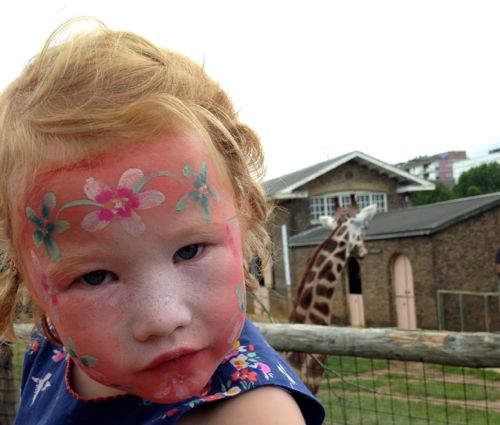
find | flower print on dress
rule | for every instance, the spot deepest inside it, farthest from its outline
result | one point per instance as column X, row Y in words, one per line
column 121, row 203
column 58, row 355
column 244, row 375
column 201, row 193
column 45, row 228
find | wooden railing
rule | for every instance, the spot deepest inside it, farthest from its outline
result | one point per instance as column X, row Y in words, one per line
column 477, row 349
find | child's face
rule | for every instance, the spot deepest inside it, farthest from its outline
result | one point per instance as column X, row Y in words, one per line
column 138, row 264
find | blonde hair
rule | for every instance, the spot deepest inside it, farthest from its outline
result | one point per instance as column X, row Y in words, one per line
column 86, row 93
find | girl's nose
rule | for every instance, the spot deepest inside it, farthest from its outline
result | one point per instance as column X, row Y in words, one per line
column 160, row 309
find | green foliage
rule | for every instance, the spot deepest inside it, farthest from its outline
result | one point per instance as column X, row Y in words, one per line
column 441, row 193
column 478, row 180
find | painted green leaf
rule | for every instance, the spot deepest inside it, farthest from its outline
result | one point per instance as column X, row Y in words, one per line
column 49, row 202
column 204, row 205
column 45, row 211
column 128, row 388
column 181, row 204
column 50, row 228
column 195, row 196
column 52, row 248
column 240, row 294
column 186, row 170
column 33, row 218
column 88, row 361
column 142, row 182
column 60, row 226
column 37, row 238
column 79, row 203
column 70, row 346
column 204, row 170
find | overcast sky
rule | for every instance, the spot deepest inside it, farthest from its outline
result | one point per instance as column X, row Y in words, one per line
column 317, row 78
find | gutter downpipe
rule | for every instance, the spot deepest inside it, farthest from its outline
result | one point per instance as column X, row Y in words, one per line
column 286, row 260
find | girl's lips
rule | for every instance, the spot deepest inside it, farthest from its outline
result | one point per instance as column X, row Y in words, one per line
column 172, row 360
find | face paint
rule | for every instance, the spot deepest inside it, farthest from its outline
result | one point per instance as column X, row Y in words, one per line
column 120, row 203
column 46, row 228
column 230, row 240
column 42, row 282
column 150, row 307
column 201, row 193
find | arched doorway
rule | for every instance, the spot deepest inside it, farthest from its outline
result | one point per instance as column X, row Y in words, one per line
column 404, row 295
column 355, row 294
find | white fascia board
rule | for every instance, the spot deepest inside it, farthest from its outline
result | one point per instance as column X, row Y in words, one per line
column 387, row 168
column 318, row 173
column 395, row 170
column 292, row 195
column 416, row 188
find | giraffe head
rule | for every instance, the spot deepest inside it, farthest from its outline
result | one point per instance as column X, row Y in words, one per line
column 350, row 224
column 356, row 226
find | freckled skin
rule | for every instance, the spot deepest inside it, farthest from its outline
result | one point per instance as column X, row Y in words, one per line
column 152, row 301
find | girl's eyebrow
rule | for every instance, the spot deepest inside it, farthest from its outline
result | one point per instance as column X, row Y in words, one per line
column 66, row 265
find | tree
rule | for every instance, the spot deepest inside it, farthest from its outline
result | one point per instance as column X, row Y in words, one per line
column 478, row 180
column 441, row 193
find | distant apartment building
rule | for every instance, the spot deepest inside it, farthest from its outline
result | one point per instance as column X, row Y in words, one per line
column 460, row 167
column 439, row 167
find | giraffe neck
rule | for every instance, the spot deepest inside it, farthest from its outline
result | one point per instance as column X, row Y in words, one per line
column 321, row 277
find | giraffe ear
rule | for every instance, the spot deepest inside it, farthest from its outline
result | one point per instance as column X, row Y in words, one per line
column 365, row 215
column 328, row 221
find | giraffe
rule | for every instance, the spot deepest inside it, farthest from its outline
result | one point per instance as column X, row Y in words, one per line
column 321, row 277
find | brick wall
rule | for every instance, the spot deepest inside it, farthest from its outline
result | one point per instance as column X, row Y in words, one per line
column 460, row 257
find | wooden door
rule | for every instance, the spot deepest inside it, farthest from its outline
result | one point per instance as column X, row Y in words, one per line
column 355, row 294
column 404, row 294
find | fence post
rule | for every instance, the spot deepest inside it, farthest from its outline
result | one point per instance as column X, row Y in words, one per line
column 461, row 303
column 8, row 390
column 440, row 306
column 487, row 313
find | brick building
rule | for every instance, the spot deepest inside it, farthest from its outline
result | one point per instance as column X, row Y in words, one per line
column 301, row 197
column 449, row 246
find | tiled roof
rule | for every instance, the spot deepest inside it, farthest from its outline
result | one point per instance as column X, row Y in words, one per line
column 408, row 222
column 289, row 185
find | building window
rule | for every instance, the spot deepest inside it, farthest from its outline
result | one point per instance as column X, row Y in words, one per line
column 325, row 205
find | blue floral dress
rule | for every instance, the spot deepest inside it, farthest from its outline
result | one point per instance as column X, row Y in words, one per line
column 47, row 398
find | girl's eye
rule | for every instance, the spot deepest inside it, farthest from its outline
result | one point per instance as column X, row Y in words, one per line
column 98, row 277
column 188, row 252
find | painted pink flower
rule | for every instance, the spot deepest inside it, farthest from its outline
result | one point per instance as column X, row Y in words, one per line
column 121, row 203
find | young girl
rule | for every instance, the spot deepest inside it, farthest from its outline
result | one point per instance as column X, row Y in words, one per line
column 128, row 210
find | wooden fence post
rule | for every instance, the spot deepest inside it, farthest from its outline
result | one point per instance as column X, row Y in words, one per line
column 8, row 390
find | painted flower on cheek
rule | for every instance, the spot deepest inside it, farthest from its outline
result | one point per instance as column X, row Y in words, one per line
column 45, row 228
column 120, row 203
column 87, row 361
column 201, row 193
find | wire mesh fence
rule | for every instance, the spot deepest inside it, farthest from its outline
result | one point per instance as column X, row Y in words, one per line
column 370, row 390
column 381, row 391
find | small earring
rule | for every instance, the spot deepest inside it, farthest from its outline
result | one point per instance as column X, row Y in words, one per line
column 50, row 330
